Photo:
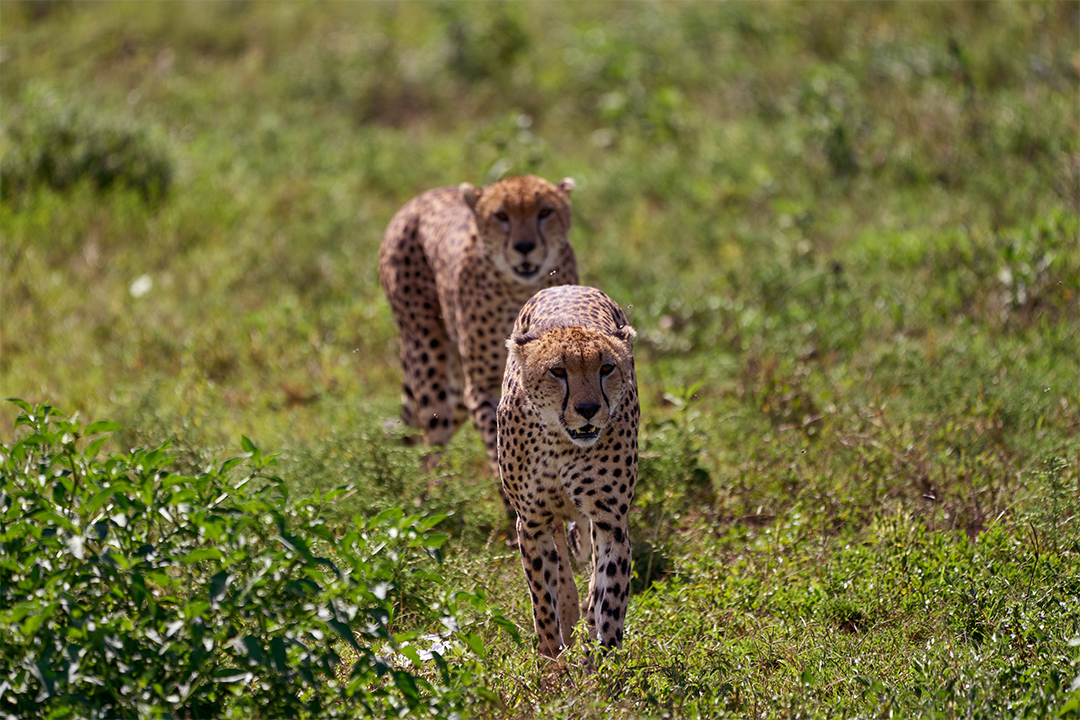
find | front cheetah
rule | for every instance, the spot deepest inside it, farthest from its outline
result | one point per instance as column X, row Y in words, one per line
column 568, row 423
column 457, row 264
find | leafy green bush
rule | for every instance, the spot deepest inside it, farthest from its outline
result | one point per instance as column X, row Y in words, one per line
column 56, row 144
column 127, row 591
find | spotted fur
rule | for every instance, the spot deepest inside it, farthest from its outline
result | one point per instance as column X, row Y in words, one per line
column 568, row 454
column 457, row 264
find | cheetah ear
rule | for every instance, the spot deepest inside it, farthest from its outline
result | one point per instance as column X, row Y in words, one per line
column 623, row 331
column 516, row 343
column 566, row 185
column 470, row 195
column 626, row 334
column 521, row 338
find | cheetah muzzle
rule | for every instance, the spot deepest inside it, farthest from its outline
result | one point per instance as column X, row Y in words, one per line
column 585, row 435
column 526, row 270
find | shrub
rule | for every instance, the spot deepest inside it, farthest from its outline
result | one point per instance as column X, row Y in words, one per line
column 127, row 591
column 58, row 145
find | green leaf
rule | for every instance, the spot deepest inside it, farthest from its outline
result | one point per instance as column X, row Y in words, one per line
column 387, row 514
column 306, row 673
column 218, row 585
column 247, row 445
column 139, row 591
column 304, row 587
column 507, row 625
column 19, row 612
column 51, row 518
column 33, row 622
column 255, row 651
column 292, row 542
column 47, row 675
column 196, row 609
column 475, row 643
column 431, row 521
column 337, row 492
column 102, row 426
column 94, row 447
column 207, row 553
column 434, row 540
column 344, row 632
column 431, row 577
column 232, row 462
column 410, row 652
column 491, row 697
column 407, row 685
column 98, row 500
column 21, row 403
column 277, row 653
column 323, row 532
column 231, row 675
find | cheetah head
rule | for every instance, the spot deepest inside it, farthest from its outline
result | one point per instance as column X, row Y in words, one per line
column 575, row 377
column 523, row 222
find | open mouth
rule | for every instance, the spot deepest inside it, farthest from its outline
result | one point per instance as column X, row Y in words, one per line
column 527, row 269
column 587, row 432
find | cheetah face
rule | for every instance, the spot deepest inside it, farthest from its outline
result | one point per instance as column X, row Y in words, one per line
column 575, row 377
column 522, row 223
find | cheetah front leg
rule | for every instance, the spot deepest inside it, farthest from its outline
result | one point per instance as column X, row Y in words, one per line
column 551, row 584
column 569, row 606
column 431, row 368
column 609, row 588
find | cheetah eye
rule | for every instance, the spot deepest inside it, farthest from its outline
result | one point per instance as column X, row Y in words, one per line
column 544, row 213
column 501, row 216
column 558, row 372
column 606, row 369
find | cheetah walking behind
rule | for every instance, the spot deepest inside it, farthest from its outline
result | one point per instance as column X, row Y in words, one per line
column 457, row 264
column 568, row 423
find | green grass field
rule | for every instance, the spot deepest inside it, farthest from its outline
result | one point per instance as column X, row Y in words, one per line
column 848, row 235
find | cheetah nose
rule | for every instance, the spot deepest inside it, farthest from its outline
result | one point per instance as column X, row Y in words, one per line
column 524, row 246
column 587, row 410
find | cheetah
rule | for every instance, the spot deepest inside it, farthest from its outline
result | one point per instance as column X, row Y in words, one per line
column 568, row 454
column 457, row 264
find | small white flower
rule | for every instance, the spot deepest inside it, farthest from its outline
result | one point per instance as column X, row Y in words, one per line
column 141, row 285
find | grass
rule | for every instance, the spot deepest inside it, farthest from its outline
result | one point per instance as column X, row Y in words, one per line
column 847, row 234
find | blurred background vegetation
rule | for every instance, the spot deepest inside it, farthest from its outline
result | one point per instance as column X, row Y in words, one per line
column 847, row 233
